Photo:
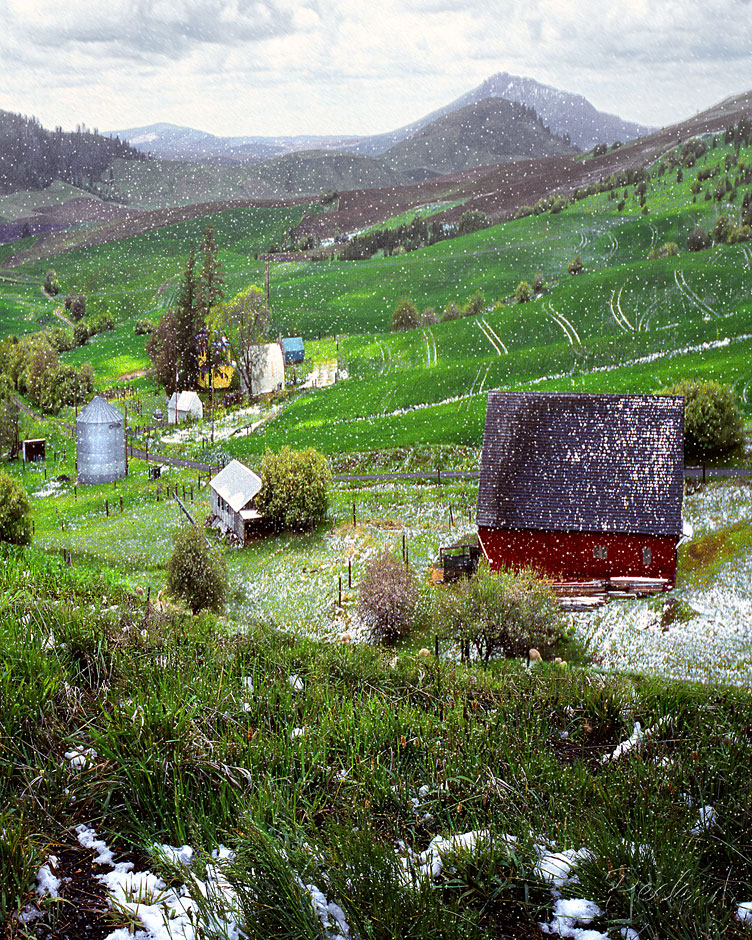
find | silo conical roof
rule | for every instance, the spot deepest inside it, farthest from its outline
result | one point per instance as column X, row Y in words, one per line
column 99, row 411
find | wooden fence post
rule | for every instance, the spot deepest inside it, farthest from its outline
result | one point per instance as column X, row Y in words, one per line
column 349, row 574
column 107, row 507
column 340, row 590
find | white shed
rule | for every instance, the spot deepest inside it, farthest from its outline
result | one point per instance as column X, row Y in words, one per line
column 233, row 491
column 184, row 405
column 269, row 370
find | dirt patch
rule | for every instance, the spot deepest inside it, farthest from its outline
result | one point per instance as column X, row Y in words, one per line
column 83, row 909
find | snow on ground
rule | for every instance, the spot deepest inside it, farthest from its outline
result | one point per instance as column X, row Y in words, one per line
column 224, row 427
column 715, row 643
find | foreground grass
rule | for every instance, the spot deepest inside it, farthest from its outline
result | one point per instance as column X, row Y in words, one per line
column 203, row 736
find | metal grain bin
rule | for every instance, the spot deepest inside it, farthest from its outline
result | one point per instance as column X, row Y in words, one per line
column 100, row 443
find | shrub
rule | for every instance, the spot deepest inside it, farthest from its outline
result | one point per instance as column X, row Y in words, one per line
column 523, row 293
column 576, row 266
column 666, row 250
column 387, row 598
column 475, row 305
column 722, row 229
column 15, row 512
column 500, row 613
column 698, row 239
column 195, row 574
column 51, row 283
column 77, row 306
column 539, row 284
column 451, row 312
column 472, row 221
column 80, row 335
column 428, row 317
column 713, row 424
column 405, row 316
column 295, row 487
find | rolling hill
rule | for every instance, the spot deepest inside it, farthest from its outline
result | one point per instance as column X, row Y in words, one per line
column 487, row 132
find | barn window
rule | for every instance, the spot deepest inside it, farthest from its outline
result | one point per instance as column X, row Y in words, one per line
column 600, row 551
column 647, row 556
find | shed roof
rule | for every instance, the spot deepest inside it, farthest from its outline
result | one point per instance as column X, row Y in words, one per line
column 589, row 463
column 99, row 411
column 185, row 401
column 236, row 484
column 293, row 344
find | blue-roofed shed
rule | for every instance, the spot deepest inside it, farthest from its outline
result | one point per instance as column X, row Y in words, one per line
column 294, row 349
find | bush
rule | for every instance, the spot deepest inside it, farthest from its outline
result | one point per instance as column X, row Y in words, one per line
column 51, row 283
column 80, row 335
column 539, row 284
column 666, row 250
column 428, row 317
column 451, row 312
column 722, row 229
column 576, row 266
column 15, row 512
column 387, row 598
column 523, row 293
column 472, row 221
column 295, row 487
column 475, row 305
column 500, row 613
column 405, row 316
column 195, row 574
column 77, row 306
column 713, row 424
column 698, row 239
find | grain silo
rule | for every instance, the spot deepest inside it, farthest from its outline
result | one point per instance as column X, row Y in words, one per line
column 100, row 443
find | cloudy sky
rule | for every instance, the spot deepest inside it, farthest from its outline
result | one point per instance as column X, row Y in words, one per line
column 265, row 67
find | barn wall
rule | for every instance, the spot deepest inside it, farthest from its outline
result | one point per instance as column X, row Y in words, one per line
column 569, row 556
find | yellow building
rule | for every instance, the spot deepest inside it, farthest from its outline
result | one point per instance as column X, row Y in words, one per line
column 223, row 369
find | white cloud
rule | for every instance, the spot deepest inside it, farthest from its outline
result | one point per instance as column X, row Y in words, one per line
column 332, row 66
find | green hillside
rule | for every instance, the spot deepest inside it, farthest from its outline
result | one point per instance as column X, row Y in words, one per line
column 625, row 324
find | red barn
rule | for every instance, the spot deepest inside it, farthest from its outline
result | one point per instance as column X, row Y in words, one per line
column 582, row 486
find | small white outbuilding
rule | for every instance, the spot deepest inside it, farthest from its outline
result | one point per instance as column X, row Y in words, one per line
column 268, row 371
column 233, row 491
column 184, row 405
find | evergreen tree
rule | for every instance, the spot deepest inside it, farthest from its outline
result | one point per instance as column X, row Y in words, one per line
column 211, row 280
column 188, row 321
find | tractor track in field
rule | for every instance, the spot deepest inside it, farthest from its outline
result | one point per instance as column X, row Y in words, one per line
column 573, row 337
column 493, row 338
column 494, row 334
column 686, row 291
column 621, row 311
column 617, row 313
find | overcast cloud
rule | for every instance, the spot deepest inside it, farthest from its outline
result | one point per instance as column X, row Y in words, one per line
column 264, row 67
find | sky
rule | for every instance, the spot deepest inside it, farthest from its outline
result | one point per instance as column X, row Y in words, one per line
column 285, row 67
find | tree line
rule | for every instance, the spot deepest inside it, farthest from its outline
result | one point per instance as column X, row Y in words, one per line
column 31, row 157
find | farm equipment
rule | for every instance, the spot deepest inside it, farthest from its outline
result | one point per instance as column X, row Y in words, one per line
column 459, row 560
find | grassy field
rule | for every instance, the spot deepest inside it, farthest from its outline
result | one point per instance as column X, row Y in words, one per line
column 336, row 765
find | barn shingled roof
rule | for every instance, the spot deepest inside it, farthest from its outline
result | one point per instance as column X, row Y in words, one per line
column 588, row 463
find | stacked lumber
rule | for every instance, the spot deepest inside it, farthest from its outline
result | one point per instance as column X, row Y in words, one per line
column 636, row 586
column 586, row 602
column 579, row 588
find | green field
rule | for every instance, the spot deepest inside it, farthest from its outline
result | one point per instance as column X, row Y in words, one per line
column 624, row 324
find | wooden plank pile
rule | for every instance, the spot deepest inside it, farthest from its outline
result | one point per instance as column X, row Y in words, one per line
column 588, row 595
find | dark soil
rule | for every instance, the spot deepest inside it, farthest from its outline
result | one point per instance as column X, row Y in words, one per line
column 82, row 912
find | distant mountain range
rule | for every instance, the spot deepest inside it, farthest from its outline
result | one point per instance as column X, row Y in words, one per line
column 565, row 114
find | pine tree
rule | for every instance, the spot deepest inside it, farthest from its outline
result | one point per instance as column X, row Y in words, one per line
column 211, row 280
column 188, row 321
